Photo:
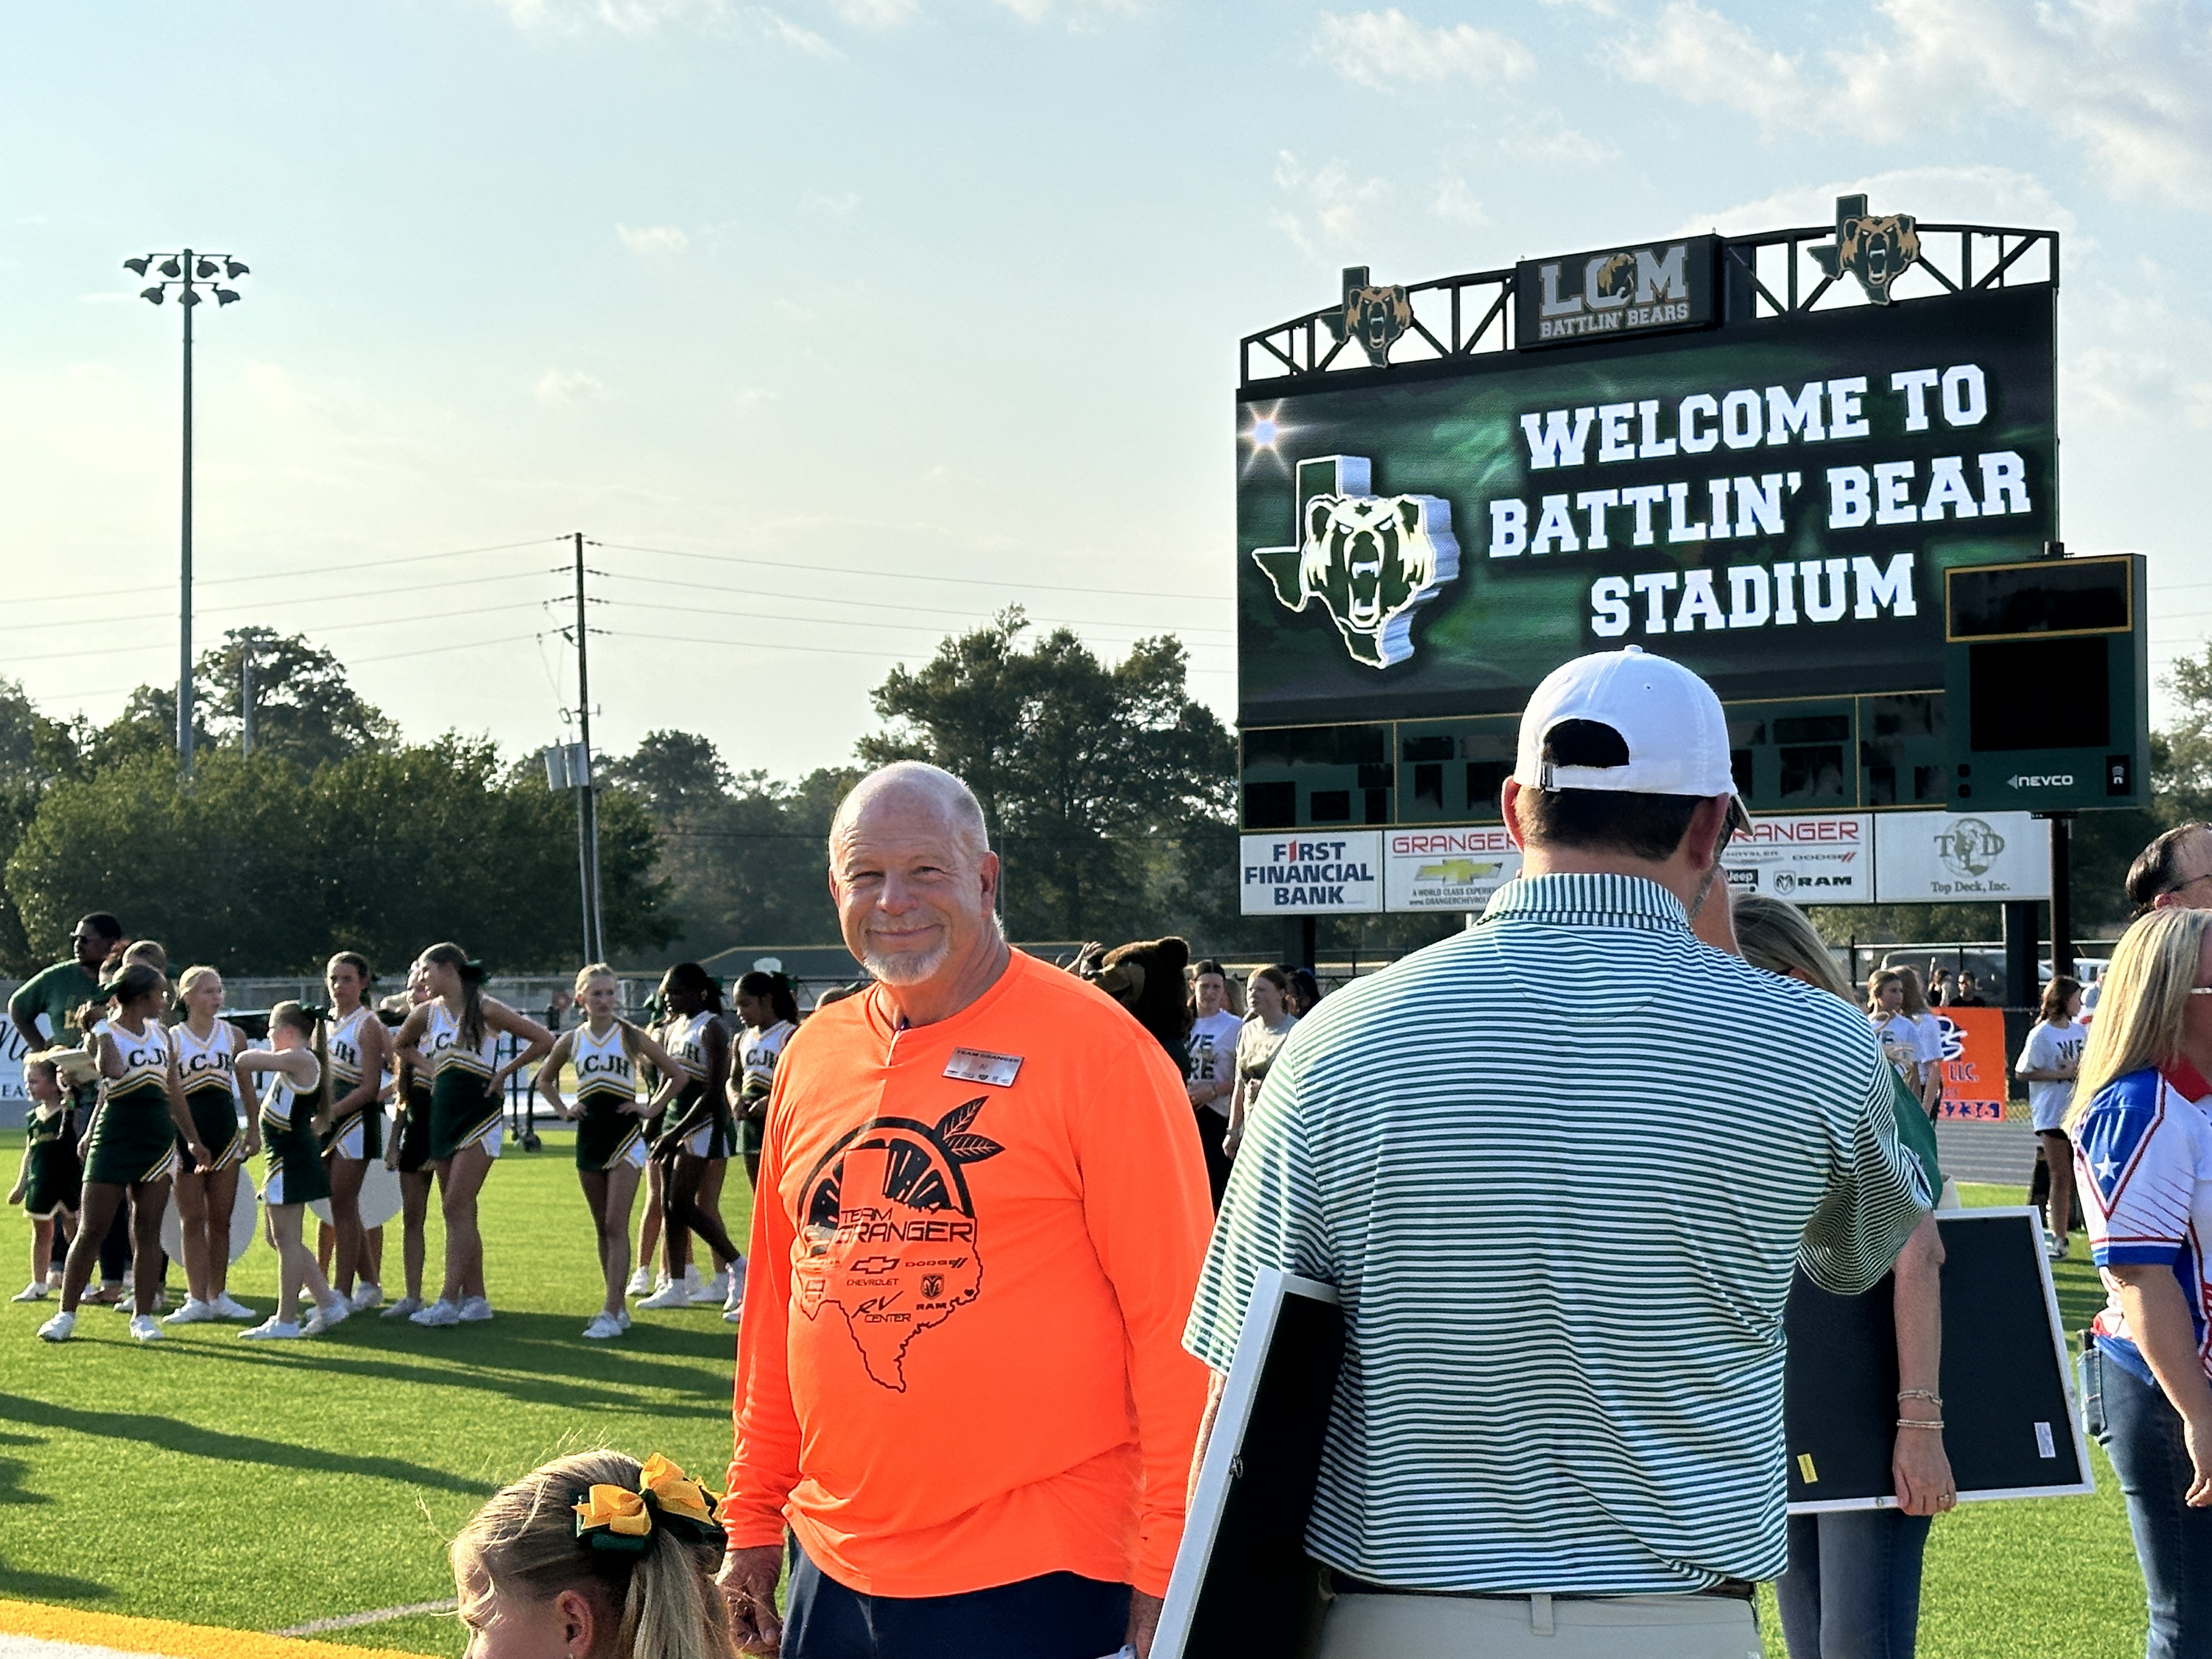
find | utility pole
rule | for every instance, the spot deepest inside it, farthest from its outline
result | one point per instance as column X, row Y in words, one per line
column 245, row 695
column 184, row 271
column 587, row 798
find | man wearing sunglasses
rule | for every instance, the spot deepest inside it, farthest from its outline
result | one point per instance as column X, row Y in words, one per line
column 2175, row 869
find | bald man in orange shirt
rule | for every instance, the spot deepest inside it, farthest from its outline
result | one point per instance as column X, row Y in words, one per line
column 963, row 1403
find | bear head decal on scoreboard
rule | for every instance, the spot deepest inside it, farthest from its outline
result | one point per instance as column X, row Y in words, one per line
column 1372, row 561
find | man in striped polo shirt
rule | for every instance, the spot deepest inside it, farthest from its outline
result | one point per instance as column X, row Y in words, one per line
column 1560, row 1168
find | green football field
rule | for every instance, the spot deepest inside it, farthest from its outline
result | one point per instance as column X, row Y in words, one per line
column 265, row 1486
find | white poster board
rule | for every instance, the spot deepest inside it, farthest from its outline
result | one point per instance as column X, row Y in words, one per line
column 1813, row 859
column 1454, row 869
column 1960, row 857
column 1306, row 872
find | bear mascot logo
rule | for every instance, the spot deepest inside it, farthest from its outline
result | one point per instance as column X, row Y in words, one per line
column 1373, row 314
column 1876, row 250
column 1371, row 560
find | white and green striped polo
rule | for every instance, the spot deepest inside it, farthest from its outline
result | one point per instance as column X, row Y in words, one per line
column 1560, row 1168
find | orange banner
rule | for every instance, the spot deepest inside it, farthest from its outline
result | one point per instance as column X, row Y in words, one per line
column 1974, row 1079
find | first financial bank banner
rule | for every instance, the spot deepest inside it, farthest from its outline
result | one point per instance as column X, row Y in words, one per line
column 1312, row 872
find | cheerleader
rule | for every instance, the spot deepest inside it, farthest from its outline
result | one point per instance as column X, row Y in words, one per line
column 455, row 1037
column 131, row 1151
column 769, row 1009
column 611, row 1123
column 649, row 1223
column 407, row 1149
column 294, row 1108
column 207, row 1046
column 48, row 1181
column 358, row 1046
column 697, row 1145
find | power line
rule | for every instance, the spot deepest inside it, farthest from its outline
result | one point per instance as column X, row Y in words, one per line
column 825, row 622
column 355, row 568
column 914, row 575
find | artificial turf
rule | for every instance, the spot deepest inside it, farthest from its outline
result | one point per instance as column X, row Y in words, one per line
column 261, row 1487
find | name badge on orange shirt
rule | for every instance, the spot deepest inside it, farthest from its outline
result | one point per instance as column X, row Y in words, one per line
column 981, row 1065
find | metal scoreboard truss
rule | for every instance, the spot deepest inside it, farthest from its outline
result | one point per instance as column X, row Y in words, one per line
column 1818, row 465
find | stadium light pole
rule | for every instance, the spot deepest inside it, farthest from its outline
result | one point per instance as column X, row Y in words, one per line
column 189, row 273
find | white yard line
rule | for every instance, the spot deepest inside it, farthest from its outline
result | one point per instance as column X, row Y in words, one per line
column 346, row 1621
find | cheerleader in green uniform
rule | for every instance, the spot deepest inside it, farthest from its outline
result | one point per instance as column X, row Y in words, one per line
column 131, row 1153
column 358, row 1045
column 207, row 1046
column 407, row 1149
column 48, row 1183
column 611, row 1123
column 455, row 1036
column 296, row 1105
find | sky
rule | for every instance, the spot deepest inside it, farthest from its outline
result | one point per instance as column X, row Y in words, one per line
column 839, row 325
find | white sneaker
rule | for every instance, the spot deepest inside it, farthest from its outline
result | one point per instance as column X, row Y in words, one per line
column 734, row 1316
column 227, row 1307
column 671, row 1295
column 406, row 1307
column 440, row 1312
column 641, row 1283
column 736, row 1298
column 476, row 1310
column 690, row 1276
column 713, row 1291
column 323, row 1318
column 36, row 1290
column 624, row 1317
column 271, row 1330
column 603, row 1325
column 59, row 1328
column 194, row 1312
column 367, row 1295
column 145, row 1327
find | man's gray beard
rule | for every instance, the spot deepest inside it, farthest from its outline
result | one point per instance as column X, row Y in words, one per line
column 907, row 969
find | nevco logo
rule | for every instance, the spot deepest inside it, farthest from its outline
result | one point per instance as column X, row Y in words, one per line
column 2041, row 781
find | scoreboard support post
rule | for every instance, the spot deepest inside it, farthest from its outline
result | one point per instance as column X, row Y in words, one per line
column 2062, row 906
column 2021, row 957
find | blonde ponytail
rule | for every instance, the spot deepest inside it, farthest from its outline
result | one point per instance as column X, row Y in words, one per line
column 524, row 1542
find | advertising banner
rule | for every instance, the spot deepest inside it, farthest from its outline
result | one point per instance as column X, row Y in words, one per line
column 1825, row 859
column 1312, row 872
column 1446, row 869
column 1960, row 857
column 14, row 1101
column 1773, row 503
column 1973, row 1063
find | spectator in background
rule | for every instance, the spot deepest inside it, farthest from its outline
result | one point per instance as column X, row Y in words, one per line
column 1213, row 1076
column 1305, row 992
column 2142, row 1139
column 1268, row 995
column 1939, row 984
column 2175, row 869
column 44, row 1011
column 2048, row 1062
column 1899, row 1037
column 1928, row 1029
column 1853, row 1585
column 557, row 1006
column 1970, row 992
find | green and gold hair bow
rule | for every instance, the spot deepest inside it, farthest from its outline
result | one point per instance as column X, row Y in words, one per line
column 615, row 1518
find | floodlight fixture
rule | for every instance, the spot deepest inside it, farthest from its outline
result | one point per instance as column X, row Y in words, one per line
column 231, row 269
column 204, row 268
column 136, row 267
column 153, row 295
column 226, row 296
column 172, row 269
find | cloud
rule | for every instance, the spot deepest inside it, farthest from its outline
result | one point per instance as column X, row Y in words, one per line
column 778, row 28
column 652, row 239
column 1380, row 49
column 2130, row 81
column 562, row 388
column 631, row 17
column 875, row 14
column 1703, row 57
column 1974, row 195
column 842, row 205
column 2148, row 354
column 1454, row 200
column 1330, row 207
column 1079, row 14
column 1545, row 136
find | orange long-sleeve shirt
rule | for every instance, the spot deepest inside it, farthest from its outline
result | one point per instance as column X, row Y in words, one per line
column 961, row 1362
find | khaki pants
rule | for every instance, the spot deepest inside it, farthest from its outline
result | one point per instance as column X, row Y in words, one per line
column 1539, row 1627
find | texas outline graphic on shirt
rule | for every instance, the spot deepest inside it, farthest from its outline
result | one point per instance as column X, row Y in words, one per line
column 890, row 1236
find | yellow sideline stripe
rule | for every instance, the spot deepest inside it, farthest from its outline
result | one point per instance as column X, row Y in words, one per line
column 162, row 1635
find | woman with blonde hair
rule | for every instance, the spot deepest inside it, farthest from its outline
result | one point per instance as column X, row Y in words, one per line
column 208, row 1047
column 1853, row 1581
column 2141, row 1129
column 595, row 1556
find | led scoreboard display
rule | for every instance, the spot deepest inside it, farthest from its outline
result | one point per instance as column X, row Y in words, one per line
column 1818, row 466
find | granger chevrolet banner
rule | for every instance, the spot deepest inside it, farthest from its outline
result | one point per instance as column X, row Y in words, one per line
column 1772, row 504
column 1447, row 869
column 1312, row 872
column 1974, row 1083
column 1819, row 859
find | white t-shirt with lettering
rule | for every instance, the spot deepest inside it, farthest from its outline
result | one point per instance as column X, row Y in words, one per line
column 1212, row 1045
column 2047, row 1048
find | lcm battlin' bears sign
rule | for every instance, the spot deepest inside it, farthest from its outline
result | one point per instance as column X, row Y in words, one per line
column 1770, row 500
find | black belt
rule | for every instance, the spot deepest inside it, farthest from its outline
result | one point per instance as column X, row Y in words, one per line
column 1343, row 1583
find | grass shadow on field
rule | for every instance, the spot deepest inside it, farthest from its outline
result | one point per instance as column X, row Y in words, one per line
column 50, row 1587
column 197, row 1440
column 12, row 1471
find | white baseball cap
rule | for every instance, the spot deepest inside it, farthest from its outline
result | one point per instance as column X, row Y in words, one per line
column 1671, row 721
